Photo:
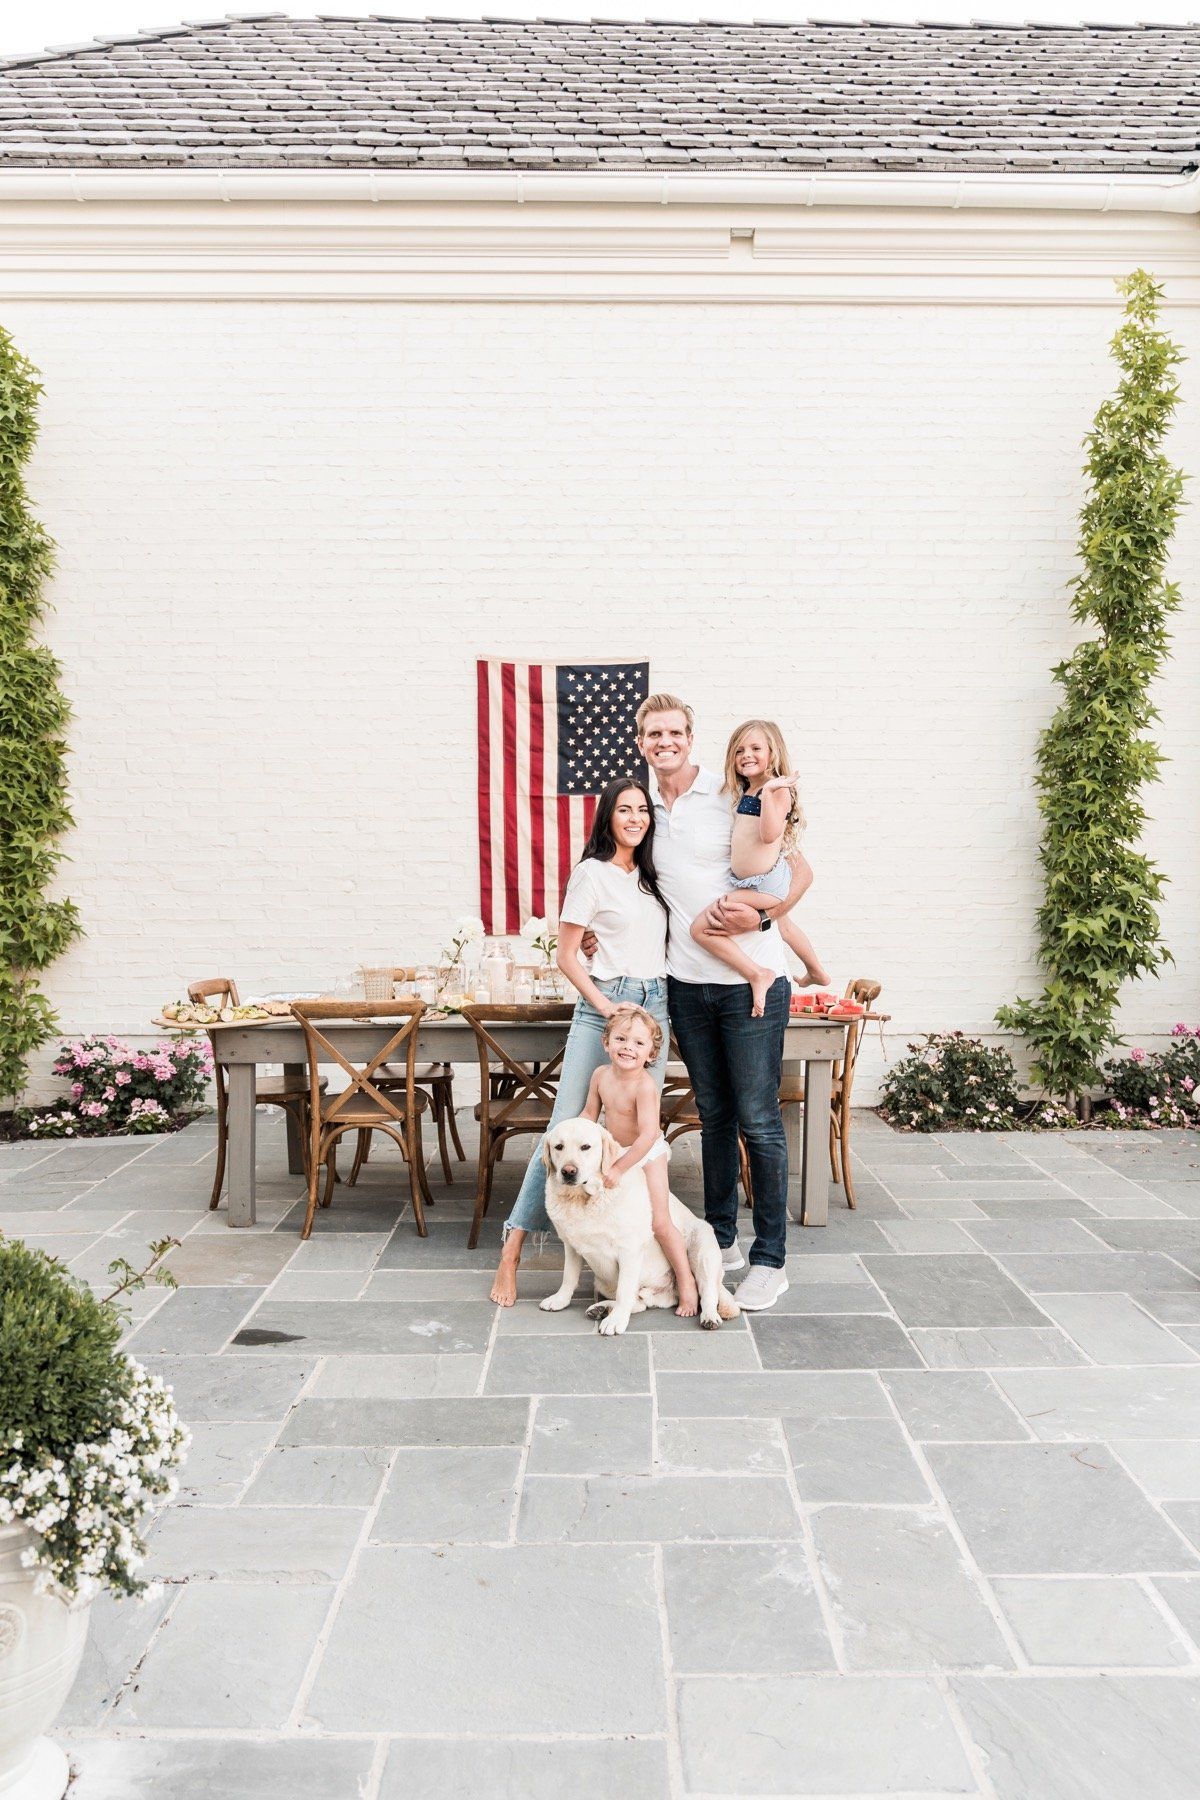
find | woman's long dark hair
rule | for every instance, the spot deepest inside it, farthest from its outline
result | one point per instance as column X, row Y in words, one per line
column 602, row 844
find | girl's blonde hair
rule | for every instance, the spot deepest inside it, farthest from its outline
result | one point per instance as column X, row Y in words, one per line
column 626, row 1012
column 781, row 764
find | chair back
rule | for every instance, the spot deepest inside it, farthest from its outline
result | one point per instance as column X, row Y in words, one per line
column 220, row 988
column 321, row 1047
column 864, row 992
column 223, row 990
column 521, row 1082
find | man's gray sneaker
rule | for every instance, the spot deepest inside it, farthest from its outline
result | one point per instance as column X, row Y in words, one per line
column 761, row 1288
column 732, row 1258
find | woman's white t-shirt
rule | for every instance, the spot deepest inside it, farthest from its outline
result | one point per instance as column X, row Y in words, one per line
column 630, row 925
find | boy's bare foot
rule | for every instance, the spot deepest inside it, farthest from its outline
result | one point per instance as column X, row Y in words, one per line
column 814, row 976
column 689, row 1302
column 760, row 986
column 504, row 1287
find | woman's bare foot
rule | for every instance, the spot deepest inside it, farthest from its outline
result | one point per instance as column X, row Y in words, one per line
column 689, row 1302
column 504, row 1287
column 760, row 986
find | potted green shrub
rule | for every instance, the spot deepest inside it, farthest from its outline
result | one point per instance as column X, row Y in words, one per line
column 89, row 1446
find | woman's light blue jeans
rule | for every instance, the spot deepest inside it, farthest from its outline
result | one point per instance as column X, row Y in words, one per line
column 584, row 1054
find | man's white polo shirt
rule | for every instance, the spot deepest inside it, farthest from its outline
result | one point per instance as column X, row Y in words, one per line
column 691, row 855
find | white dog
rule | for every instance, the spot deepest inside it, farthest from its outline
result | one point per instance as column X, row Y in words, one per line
column 610, row 1229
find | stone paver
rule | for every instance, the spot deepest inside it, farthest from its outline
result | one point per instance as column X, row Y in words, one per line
column 950, row 1486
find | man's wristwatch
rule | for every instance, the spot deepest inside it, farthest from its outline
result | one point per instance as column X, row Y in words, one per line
column 765, row 924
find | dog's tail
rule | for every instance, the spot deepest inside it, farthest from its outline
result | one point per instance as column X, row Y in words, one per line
column 727, row 1306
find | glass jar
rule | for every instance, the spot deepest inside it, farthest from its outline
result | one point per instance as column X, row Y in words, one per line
column 425, row 985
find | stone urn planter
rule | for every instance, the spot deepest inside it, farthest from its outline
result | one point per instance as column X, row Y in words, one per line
column 41, row 1643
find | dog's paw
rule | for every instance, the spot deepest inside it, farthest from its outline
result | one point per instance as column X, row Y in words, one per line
column 710, row 1324
column 554, row 1303
column 600, row 1310
column 611, row 1327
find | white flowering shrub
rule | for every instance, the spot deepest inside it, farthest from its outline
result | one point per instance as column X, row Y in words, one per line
column 87, row 1509
column 89, row 1440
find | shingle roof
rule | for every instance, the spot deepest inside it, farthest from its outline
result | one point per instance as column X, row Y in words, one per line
column 268, row 91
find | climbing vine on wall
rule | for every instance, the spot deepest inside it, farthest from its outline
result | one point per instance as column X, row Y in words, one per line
column 1098, row 923
column 34, row 928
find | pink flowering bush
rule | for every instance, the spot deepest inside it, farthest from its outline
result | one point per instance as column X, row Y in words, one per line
column 1157, row 1087
column 115, row 1088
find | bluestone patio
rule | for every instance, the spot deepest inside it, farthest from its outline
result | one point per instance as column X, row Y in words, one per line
column 929, row 1527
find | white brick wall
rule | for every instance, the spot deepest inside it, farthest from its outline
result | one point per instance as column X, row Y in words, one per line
column 287, row 529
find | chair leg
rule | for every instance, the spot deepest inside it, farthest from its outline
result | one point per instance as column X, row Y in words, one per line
column 314, row 1177
column 360, row 1155
column 453, row 1123
column 744, row 1167
column 331, row 1175
column 835, row 1161
column 439, row 1111
column 844, row 1146
column 222, row 1147
column 416, row 1174
column 483, row 1189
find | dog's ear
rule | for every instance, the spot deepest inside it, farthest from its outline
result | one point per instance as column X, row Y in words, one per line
column 610, row 1150
column 546, row 1155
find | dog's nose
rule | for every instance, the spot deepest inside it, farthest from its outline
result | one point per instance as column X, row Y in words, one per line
column 568, row 1171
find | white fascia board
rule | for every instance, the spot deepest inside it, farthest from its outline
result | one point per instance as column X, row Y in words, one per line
column 822, row 188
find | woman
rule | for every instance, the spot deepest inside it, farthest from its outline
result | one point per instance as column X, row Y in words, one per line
column 613, row 892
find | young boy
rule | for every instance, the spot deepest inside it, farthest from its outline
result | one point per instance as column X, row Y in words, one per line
column 630, row 1100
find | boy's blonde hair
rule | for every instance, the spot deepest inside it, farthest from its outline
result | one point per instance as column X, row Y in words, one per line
column 781, row 764
column 664, row 703
column 625, row 1012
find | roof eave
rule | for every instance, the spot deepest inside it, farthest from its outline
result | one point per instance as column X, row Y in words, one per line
column 1003, row 189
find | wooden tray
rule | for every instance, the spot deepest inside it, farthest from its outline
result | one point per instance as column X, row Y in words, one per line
column 222, row 1024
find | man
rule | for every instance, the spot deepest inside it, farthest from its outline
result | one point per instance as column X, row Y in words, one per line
column 733, row 1059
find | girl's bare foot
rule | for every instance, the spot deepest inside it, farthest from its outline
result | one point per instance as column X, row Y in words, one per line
column 689, row 1302
column 760, row 986
column 504, row 1287
column 814, row 976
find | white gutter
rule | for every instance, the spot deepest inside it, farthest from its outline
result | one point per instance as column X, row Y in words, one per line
column 691, row 187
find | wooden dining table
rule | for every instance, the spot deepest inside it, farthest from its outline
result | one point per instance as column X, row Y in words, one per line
column 811, row 1048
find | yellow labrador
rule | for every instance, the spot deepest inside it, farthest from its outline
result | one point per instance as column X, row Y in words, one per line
column 610, row 1229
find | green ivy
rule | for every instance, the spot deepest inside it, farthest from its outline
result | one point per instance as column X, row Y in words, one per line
column 34, row 930
column 1098, row 923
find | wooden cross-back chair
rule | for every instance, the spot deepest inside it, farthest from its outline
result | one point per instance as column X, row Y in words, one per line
column 680, row 1114
column 290, row 1092
column 437, row 1079
column 366, row 1103
column 791, row 1088
column 521, row 1100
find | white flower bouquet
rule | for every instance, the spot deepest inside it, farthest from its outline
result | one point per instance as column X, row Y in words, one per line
column 467, row 931
column 541, row 936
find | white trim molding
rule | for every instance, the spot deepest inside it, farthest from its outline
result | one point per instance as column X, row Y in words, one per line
column 823, row 238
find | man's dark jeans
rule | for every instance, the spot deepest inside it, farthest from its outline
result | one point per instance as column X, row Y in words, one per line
column 735, row 1063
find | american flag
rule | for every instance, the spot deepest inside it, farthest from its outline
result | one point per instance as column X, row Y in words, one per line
column 551, row 736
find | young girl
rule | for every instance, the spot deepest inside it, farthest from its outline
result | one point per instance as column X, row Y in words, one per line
column 766, row 831
column 629, row 1097
column 614, row 893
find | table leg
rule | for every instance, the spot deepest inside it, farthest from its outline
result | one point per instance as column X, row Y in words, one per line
column 241, row 1078
column 793, row 1125
column 295, row 1148
column 818, row 1088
